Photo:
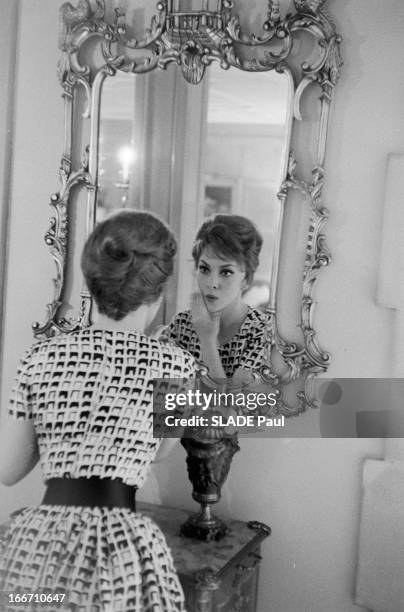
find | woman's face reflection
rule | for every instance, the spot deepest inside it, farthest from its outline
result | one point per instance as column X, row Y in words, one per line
column 221, row 281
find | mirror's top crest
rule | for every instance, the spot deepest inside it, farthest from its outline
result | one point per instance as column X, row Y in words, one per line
column 194, row 39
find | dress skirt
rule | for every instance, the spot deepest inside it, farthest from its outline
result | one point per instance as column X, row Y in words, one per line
column 104, row 560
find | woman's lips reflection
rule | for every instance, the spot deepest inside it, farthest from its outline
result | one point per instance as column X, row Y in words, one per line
column 211, row 298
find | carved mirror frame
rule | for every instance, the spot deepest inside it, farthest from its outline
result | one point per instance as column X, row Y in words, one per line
column 193, row 40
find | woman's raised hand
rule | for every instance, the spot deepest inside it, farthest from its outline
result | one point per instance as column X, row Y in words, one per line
column 206, row 324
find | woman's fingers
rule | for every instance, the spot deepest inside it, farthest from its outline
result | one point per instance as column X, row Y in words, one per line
column 198, row 308
column 206, row 324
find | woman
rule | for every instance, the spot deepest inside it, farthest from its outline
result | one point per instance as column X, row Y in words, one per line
column 221, row 330
column 82, row 406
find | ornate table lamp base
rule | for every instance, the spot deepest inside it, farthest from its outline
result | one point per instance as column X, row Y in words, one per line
column 208, row 461
column 204, row 526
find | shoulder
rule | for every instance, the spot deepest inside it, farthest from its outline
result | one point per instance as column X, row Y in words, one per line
column 62, row 345
column 59, row 341
column 48, row 348
column 174, row 358
column 37, row 348
column 31, row 361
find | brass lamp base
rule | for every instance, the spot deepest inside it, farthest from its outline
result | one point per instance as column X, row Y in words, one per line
column 204, row 526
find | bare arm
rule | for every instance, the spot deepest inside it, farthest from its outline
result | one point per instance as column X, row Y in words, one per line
column 18, row 450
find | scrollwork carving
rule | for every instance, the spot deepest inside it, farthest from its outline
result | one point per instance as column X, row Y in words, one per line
column 259, row 527
column 308, row 6
column 56, row 239
column 274, row 14
column 206, row 580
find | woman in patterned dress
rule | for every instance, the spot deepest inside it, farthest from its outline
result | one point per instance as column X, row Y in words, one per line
column 221, row 330
column 82, row 406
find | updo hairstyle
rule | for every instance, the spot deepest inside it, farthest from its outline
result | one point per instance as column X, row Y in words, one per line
column 126, row 261
column 233, row 237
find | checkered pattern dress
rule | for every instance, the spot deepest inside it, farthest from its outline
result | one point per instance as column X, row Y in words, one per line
column 90, row 397
column 245, row 350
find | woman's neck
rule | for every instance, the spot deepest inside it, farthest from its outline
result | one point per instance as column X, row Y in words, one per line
column 134, row 321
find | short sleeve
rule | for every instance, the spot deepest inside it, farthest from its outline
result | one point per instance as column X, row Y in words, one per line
column 20, row 403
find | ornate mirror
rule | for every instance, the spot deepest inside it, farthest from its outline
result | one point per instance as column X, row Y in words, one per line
column 198, row 117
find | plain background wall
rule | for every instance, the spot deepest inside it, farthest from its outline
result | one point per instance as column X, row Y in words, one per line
column 34, row 176
column 366, row 125
column 307, row 490
column 8, row 43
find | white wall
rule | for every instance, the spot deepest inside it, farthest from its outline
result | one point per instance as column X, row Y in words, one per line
column 367, row 123
column 37, row 150
column 307, row 490
column 8, row 43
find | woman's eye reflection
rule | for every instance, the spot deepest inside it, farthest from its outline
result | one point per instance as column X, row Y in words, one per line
column 226, row 272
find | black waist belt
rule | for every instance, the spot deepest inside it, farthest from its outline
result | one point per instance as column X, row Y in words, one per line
column 92, row 492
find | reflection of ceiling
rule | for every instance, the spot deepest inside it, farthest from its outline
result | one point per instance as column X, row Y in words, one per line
column 235, row 96
column 118, row 96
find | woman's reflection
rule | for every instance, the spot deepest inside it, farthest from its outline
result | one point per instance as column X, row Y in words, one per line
column 221, row 330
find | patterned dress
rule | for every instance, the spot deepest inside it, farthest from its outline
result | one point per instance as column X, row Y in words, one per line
column 90, row 397
column 245, row 350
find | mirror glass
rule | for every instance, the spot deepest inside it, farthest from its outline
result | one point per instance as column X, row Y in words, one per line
column 189, row 151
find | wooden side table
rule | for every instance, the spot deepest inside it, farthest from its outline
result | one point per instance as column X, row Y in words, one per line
column 216, row 576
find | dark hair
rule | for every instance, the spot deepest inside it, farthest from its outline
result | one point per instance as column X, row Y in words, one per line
column 231, row 236
column 126, row 261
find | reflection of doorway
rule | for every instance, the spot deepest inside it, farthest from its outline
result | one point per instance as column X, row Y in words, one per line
column 218, row 199
column 221, row 194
